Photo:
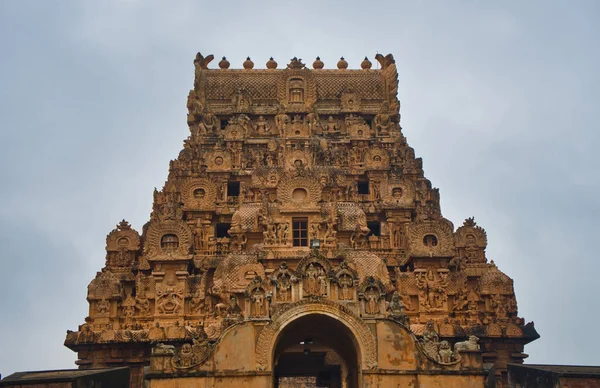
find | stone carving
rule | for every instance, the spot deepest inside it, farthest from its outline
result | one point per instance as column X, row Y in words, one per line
column 371, row 292
column 296, row 194
column 257, row 299
column 167, row 239
column 396, row 310
column 431, row 238
column 471, row 344
column 471, row 241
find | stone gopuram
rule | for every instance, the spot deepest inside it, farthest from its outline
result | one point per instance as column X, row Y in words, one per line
column 297, row 242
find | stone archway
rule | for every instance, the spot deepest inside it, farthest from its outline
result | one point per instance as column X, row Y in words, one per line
column 331, row 326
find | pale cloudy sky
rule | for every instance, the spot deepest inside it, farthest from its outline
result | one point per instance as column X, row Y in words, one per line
column 500, row 99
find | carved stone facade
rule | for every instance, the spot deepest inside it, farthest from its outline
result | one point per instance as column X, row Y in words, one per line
column 296, row 198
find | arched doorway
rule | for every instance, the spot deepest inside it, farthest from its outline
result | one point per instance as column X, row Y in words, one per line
column 315, row 351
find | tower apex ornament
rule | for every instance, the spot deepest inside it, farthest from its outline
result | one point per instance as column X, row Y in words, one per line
column 296, row 63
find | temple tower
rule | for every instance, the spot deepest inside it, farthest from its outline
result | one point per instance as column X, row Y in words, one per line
column 297, row 241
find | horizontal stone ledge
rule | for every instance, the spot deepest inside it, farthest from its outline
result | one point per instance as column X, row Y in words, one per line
column 461, row 372
column 178, row 374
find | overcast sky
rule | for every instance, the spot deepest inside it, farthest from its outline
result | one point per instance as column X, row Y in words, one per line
column 500, row 98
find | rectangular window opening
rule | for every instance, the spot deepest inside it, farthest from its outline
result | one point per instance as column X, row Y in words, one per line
column 300, row 232
column 221, row 230
column 363, row 187
column 374, row 227
column 233, row 189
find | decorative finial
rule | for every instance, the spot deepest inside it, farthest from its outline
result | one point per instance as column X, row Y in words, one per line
column 271, row 64
column 366, row 64
column 342, row 64
column 296, row 63
column 318, row 64
column 248, row 64
column 224, row 63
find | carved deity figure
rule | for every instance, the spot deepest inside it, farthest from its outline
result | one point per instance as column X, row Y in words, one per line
column 431, row 341
column 282, row 120
column 346, row 284
column 383, row 120
column 284, row 285
column 209, row 123
column 314, row 125
column 372, row 301
column 261, row 126
column 331, row 126
column 257, row 308
column 315, row 281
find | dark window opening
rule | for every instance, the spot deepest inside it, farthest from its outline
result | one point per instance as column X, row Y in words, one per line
column 169, row 242
column 430, row 240
column 224, row 123
column 300, row 232
column 221, row 230
column 374, row 227
column 233, row 189
column 363, row 187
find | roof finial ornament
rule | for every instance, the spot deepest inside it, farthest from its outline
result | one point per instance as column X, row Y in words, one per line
column 342, row 64
column 224, row 64
column 385, row 61
column 271, row 64
column 318, row 64
column 202, row 61
column 366, row 64
column 248, row 64
column 296, row 63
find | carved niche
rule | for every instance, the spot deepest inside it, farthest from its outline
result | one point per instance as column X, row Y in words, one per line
column 283, row 279
column 297, row 128
column 122, row 243
column 377, row 158
column 346, row 279
column 371, row 293
column 357, row 127
column 218, row 159
column 471, row 241
column 314, row 272
column 167, row 240
column 431, row 238
column 399, row 193
column 296, row 88
column 238, row 128
column 198, row 193
column 299, row 192
column 257, row 299
column 350, row 101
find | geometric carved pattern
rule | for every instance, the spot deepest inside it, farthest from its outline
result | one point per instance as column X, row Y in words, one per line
column 367, row 265
column 362, row 333
column 236, row 271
